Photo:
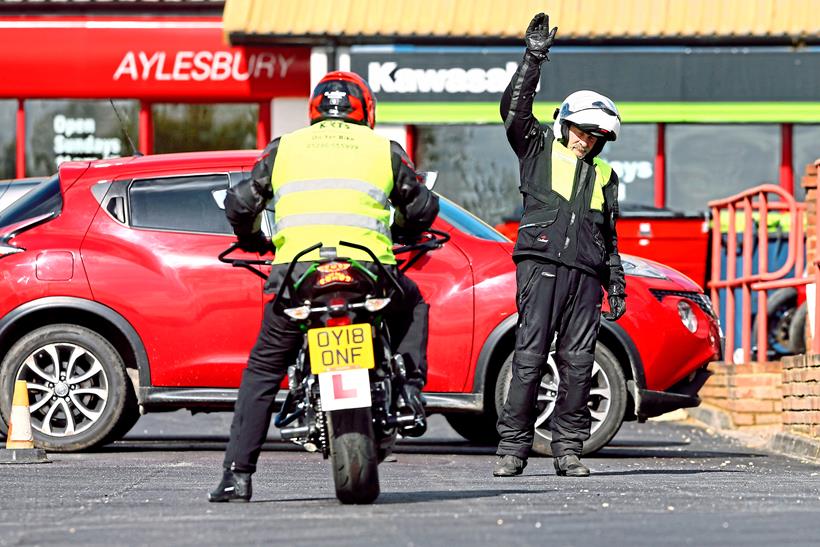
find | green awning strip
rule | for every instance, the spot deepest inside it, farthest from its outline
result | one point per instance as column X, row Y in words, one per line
column 473, row 112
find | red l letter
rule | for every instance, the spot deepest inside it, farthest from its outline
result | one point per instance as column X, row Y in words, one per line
column 339, row 392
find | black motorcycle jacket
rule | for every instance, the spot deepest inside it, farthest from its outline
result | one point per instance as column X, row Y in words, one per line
column 566, row 229
column 416, row 207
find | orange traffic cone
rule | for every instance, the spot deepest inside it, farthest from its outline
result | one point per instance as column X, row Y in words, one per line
column 20, row 440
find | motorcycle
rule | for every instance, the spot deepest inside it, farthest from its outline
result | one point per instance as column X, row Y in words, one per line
column 345, row 395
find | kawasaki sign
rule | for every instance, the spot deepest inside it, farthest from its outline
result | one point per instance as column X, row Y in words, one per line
column 678, row 75
column 390, row 77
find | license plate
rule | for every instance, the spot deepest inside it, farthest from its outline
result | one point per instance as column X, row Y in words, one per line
column 344, row 347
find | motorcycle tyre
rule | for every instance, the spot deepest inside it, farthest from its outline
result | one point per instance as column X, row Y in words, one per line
column 353, row 456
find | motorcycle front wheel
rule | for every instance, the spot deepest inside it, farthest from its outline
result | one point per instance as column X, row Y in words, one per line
column 353, row 455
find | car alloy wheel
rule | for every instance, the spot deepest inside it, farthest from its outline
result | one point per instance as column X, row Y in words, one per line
column 600, row 398
column 67, row 386
column 77, row 387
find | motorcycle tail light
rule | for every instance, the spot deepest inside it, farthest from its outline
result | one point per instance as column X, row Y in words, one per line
column 300, row 313
column 334, row 272
column 376, row 304
column 337, row 321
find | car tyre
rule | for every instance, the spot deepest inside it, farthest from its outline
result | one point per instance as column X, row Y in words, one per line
column 607, row 401
column 77, row 386
column 797, row 330
column 780, row 310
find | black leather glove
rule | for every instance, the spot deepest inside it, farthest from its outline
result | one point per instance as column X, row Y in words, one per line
column 539, row 38
column 254, row 243
column 403, row 236
column 415, row 400
column 617, row 303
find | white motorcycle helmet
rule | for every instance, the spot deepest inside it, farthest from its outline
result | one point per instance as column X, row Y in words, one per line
column 591, row 112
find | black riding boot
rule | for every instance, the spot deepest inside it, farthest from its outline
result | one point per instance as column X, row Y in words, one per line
column 235, row 486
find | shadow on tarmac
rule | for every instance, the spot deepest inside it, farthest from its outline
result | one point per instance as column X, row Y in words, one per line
column 635, row 451
column 389, row 498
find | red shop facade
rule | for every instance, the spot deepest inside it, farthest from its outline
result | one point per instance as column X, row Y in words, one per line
column 177, row 86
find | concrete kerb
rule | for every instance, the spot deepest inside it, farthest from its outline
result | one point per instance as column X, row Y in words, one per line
column 787, row 444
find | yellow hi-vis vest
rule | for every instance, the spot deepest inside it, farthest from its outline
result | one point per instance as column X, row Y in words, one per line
column 564, row 163
column 331, row 183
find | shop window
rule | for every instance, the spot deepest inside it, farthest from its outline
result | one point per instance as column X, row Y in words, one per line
column 632, row 156
column 805, row 151
column 477, row 168
column 706, row 162
column 197, row 127
column 182, row 204
column 8, row 139
column 64, row 130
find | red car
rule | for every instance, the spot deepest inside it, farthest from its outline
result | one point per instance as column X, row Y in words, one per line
column 112, row 301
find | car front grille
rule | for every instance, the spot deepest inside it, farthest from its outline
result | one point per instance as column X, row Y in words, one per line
column 703, row 301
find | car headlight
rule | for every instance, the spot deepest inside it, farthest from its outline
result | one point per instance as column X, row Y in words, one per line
column 687, row 316
column 641, row 269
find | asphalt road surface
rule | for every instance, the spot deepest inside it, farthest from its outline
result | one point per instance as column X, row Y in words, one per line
column 659, row 483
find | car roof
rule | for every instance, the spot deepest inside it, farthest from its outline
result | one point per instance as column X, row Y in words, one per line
column 112, row 167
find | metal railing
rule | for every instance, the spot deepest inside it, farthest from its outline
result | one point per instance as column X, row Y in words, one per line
column 754, row 205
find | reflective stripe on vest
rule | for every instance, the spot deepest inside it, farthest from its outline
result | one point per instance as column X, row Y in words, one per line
column 564, row 164
column 332, row 219
column 331, row 183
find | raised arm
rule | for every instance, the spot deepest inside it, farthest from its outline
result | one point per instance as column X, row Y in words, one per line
column 522, row 127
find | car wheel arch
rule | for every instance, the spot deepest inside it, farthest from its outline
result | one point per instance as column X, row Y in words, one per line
column 501, row 342
column 86, row 313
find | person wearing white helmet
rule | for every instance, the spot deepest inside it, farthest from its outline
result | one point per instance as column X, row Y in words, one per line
column 566, row 254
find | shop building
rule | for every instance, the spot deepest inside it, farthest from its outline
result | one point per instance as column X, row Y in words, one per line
column 715, row 96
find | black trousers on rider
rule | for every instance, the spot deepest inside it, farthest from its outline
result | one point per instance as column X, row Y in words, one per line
column 276, row 348
column 552, row 298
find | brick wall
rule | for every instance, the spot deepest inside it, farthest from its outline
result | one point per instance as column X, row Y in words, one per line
column 750, row 394
column 801, row 395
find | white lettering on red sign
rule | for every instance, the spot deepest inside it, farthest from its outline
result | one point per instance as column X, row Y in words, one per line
column 199, row 66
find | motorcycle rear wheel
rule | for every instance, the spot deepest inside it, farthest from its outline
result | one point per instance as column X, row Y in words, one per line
column 353, row 456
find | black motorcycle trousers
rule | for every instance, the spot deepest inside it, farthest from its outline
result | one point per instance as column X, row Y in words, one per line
column 554, row 301
column 277, row 347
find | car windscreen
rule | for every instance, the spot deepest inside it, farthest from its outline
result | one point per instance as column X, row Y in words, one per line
column 466, row 222
column 45, row 199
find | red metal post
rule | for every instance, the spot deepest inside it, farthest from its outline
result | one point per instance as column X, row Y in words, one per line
column 20, row 163
column 717, row 244
column 660, row 167
column 762, row 268
column 731, row 257
column 146, row 129
column 746, row 289
column 786, row 167
column 815, row 338
column 263, row 125
column 410, row 139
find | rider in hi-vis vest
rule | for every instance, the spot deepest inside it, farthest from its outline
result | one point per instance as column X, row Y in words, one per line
column 565, row 252
column 333, row 181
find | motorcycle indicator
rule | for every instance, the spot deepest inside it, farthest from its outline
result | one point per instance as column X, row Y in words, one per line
column 340, row 348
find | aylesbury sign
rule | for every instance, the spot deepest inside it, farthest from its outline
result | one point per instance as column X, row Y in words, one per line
column 153, row 60
column 199, row 66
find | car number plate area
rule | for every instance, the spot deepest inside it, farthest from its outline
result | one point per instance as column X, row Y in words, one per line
column 346, row 347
